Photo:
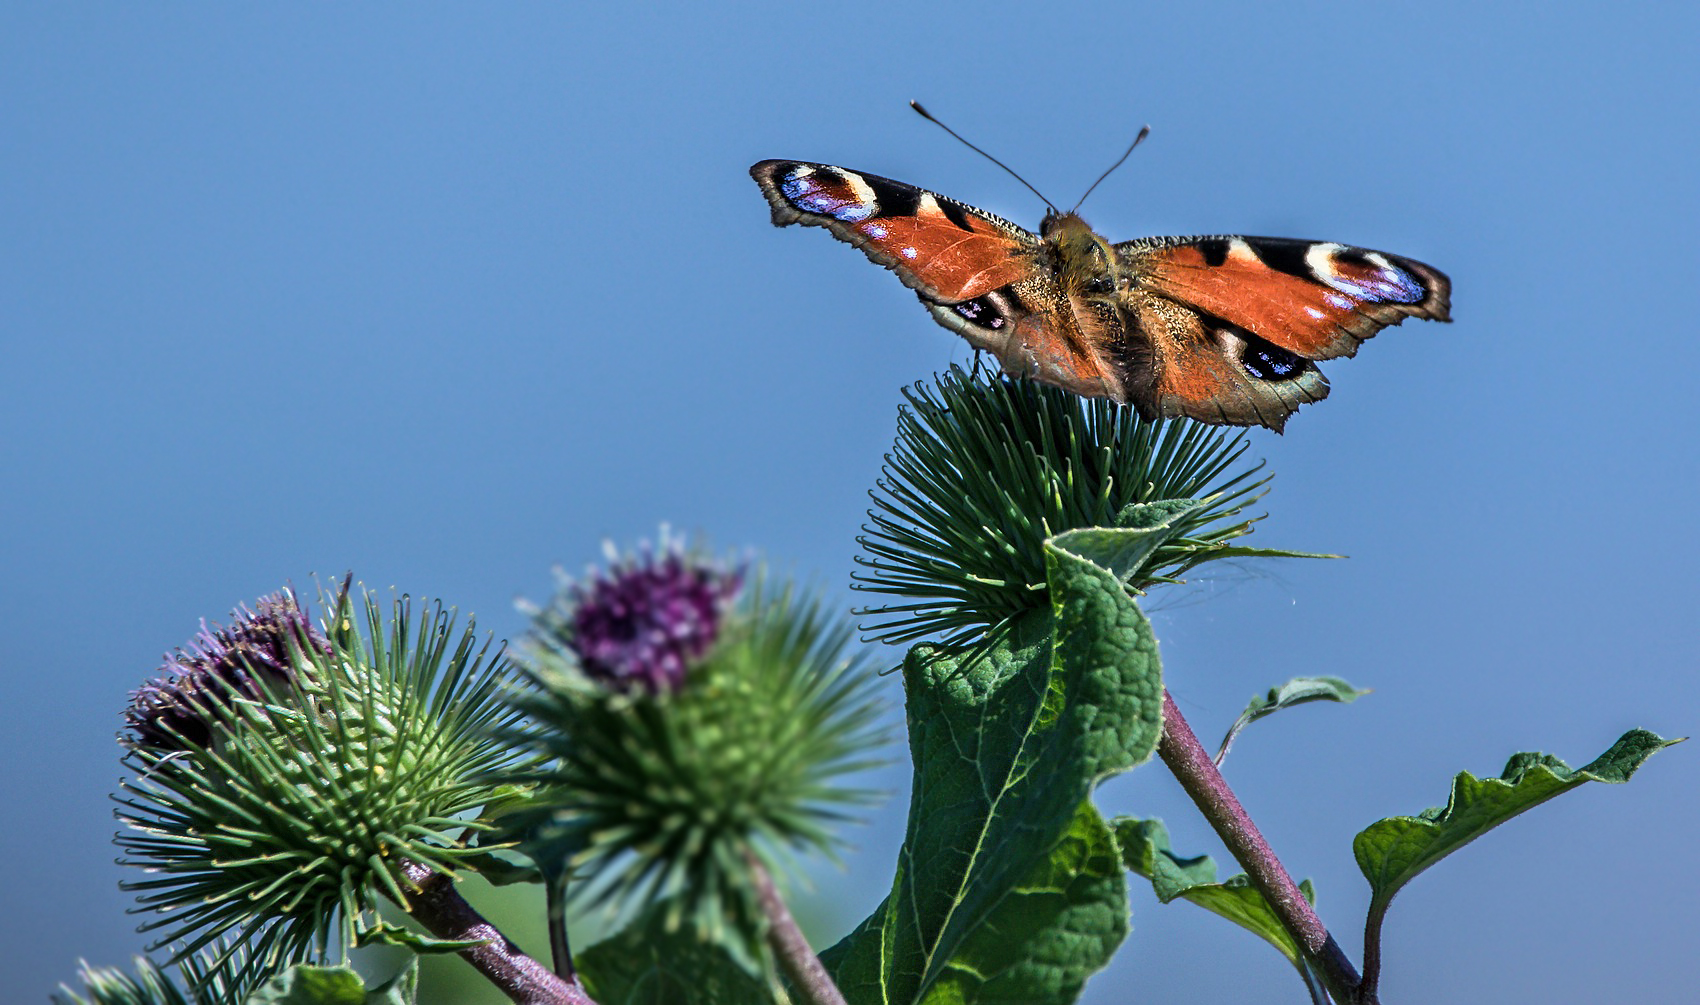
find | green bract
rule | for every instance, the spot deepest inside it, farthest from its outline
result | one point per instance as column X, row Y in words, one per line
column 306, row 805
column 984, row 471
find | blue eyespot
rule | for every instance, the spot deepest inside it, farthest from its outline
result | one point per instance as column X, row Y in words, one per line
column 803, row 192
column 1383, row 285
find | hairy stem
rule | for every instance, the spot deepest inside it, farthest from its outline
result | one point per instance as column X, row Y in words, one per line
column 1372, row 949
column 437, row 905
column 1196, row 771
column 808, row 977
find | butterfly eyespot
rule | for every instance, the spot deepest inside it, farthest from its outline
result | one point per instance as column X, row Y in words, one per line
column 1364, row 275
column 1267, row 362
column 828, row 192
column 984, row 312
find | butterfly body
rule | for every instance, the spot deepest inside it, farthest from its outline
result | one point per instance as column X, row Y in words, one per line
column 1222, row 329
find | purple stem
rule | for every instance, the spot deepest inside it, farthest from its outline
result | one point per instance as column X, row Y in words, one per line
column 437, row 905
column 1193, row 766
column 808, row 977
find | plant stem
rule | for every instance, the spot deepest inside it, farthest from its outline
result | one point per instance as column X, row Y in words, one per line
column 437, row 905
column 1197, row 773
column 560, row 950
column 808, row 977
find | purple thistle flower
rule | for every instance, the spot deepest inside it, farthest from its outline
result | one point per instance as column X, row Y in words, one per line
column 172, row 709
column 644, row 621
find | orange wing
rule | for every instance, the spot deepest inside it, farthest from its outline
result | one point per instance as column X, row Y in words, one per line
column 1317, row 299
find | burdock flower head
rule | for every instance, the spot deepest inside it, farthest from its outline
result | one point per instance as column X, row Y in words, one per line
column 285, row 779
column 646, row 619
column 686, row 717
column 237, row 661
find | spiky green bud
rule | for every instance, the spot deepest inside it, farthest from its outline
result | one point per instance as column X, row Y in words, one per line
column 312, row 793
column 987, row 468
column 651, row 796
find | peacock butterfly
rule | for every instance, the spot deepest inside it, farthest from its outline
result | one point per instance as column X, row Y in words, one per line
column 1221, row 329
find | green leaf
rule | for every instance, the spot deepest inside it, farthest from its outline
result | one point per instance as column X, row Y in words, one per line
column 1295, row 692
column 402, row 989
column 382, row 933
column 503, row 866
column 1055, row 929
column 652, row 963
column 1393, row 851
column 305, row 984
column 1145, row 852
column 1126, row 548
column 1008, row 741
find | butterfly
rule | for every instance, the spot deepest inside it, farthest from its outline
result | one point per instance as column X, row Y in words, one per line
column 1223, row 329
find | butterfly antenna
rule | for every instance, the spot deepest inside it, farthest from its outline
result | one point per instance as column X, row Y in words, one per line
column 1143, row 132
column 929, row 117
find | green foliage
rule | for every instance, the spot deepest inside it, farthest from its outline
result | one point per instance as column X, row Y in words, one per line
column 985, row 471
column 1145, row 852
column 1008, row 887
column 654, row 963
column 1297, row 691
column 310, row 985
column 1393, row 851
column 302, row 808
column 657, row 797
column 212, row 978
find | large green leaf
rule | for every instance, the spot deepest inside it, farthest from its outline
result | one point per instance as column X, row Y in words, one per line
column 1003, row 892
column 1055, row 929
column 653, row 963
column 1145, row 852
column 1393, row 851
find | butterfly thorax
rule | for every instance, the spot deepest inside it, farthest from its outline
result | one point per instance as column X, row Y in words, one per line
column 1084, row 262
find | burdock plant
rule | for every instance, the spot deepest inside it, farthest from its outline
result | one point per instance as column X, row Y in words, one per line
column 1014, row 530
column 679, row 729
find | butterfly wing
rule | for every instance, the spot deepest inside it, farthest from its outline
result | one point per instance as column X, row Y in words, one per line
column 978, row 274
column 1254, row 312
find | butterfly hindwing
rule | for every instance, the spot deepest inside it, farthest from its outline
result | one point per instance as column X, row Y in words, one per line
column 1206, row 368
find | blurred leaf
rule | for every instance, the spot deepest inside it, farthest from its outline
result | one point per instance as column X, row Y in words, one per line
column 402, row 989
column 1393, row 851
column 503, row 866
column 1145, row 852
column 1297, row 691
column 311, row 985
column 1008, row 741
column 654, row 963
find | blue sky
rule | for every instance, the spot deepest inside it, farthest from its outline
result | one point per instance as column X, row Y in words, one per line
column 446, row 296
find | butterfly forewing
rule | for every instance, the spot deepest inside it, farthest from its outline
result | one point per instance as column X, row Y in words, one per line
column 1317, row 299
column 944, row 250
column 980, row 276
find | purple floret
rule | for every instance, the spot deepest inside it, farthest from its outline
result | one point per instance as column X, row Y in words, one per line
column 218, row 663
column 644, row 622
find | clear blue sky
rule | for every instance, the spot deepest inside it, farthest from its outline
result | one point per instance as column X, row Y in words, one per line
column 447, row 296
